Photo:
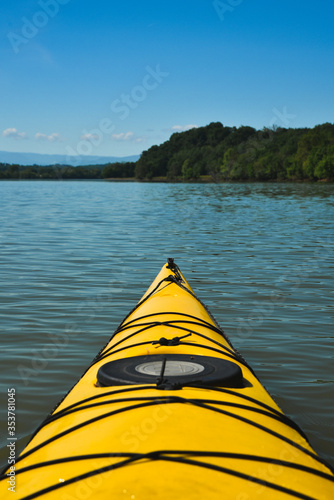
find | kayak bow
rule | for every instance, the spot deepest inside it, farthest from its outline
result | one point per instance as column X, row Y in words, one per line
column 169, row 409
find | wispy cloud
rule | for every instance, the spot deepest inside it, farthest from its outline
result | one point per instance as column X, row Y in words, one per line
column 54, row 137
column 182, row 128
column 13, row 133
column 90, row 137
column 128, row 137
column 123, row 136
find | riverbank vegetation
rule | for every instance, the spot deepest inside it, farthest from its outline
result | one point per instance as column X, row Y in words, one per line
column 243, row 154
column 214, row 153
column 66, row 172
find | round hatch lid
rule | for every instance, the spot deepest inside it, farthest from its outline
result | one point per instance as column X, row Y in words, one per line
column 173, row 368
column 180, row 369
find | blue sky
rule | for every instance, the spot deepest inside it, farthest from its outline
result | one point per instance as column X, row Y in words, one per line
column 115, row 77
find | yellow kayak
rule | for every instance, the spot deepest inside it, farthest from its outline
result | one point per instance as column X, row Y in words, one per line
column 168, row 410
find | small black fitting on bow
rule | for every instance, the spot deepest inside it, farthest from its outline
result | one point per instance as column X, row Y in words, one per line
column 174, row 268
column 165, row 384
column 170, row 264
column 170, row 342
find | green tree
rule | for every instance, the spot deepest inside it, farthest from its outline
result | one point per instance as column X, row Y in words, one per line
column 29, row 173
column 14, row 172
column 325, row 166
column 187, row 170
column 229, row 163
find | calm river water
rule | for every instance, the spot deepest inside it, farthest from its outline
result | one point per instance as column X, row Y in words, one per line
column 77, row 256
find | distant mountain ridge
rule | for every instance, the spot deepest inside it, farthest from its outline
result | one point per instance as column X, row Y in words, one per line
column 47, row 159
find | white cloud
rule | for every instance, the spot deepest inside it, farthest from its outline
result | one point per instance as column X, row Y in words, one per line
column 182, row 128
column 40, row 137
column 90, row 137
column 14, row 133
column 127, row 136
column 54, row 137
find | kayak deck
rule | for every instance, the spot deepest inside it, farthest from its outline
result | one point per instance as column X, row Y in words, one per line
column 169, row 407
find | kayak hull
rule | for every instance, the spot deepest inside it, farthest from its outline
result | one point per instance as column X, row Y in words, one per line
column 169, row 408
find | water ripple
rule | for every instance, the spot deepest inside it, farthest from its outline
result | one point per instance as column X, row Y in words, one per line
column 76, row 257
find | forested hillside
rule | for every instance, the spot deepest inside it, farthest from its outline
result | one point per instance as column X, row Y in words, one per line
column 242, row 154
column 215, row 153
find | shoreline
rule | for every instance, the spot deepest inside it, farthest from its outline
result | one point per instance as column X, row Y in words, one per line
column 164, row 180
column 209, row 180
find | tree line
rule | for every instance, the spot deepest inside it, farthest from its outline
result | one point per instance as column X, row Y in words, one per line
column 242, row 154
column 66, row 172
column 214, row 152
